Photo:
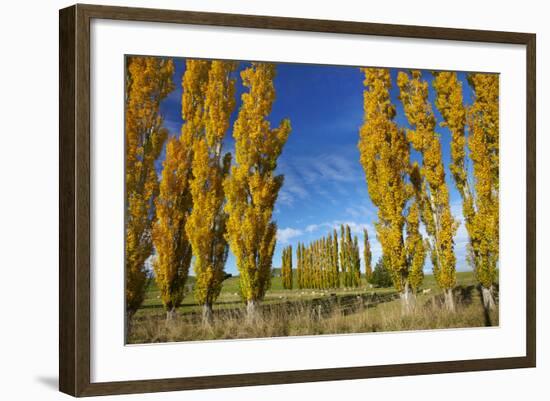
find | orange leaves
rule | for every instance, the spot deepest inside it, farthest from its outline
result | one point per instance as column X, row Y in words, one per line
column 209, row 111
column 173, row 252
column 189, row 207
column 148, row 81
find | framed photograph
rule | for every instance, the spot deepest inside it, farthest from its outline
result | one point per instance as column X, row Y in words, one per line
column 250, row 200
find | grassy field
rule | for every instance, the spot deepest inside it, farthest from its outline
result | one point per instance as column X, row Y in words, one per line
column 309, row 312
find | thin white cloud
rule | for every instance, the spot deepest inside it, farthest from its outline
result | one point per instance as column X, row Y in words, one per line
column 293, row 186
column 314, row 227
column 360, row 212
column 324, row 175
column 328, row 167
column 355, row 228
column 284, row 235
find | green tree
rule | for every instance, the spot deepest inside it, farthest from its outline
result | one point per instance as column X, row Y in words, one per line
column 355, row 262
column 350, row 260
column 299, row 266
column 335, row 260
column 286, row 270
column 381, row 276
column 367, row 254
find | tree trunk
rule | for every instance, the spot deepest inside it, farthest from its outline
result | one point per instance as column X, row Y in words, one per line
column 207, row 315
column 407, row 300
column 488, row 298
column 449, row 300
column 251, row 311
column 170, row 314
column 129, row 316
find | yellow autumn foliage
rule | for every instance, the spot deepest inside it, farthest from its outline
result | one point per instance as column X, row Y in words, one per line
column 286, row 269
column 148, row 81
column 384, row 155
column 483, row 142
column 252, row 187
column 173, row 204
column 415, row 249
column 207, row 222
column 434, row 194
column 479, row 203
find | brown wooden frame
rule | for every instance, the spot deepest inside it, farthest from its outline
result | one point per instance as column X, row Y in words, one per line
column 74, row 199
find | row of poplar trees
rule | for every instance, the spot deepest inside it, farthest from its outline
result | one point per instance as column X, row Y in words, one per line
column 328, row 262
column 407, row 193
column 204, row 204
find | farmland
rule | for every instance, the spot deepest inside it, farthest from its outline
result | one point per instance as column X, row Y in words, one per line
column 309, row 312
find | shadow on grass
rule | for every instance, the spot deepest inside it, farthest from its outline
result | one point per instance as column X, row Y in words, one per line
column 463, row 294
column 187, row 304
column 486, row 310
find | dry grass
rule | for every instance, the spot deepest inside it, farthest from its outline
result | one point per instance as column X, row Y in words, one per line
column 304, row 318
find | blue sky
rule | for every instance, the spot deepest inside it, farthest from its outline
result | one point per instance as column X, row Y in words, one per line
column 324, row 182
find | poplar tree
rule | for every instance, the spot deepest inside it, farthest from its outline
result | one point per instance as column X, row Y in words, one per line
column 252, row 187
column 304, row 253
column 308, row 283
column 310, row 267
column 434, row 196
column 321, row 262
column 302, row 261
column 349, row 258
column 367, row 255
column 326, row 263
column 335, row 259
column 483, row 142
column 329, row 262
column 175, row 202
column 355, row 262
column 344, row 258
column 173, row 250
column 332, row 261
column 148, row 82
column 316, row 265
column 299, row 266
column 286, row 269
column 479, row 203
column 207, row 113
column 384, row 155
column 415, row 248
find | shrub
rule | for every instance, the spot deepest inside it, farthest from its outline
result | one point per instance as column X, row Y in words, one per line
column 381, row 275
